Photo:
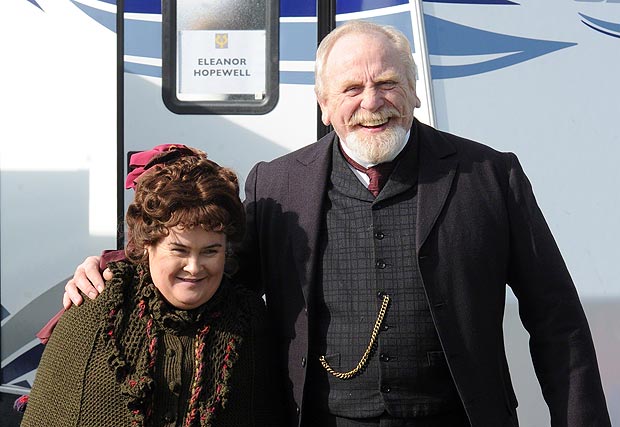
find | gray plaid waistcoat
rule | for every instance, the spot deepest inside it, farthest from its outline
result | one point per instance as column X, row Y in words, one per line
column 368, row 248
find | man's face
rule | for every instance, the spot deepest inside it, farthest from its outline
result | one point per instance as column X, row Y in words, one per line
column 367, row 97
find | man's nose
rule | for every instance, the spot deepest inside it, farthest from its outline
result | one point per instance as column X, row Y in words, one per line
column 372, row 99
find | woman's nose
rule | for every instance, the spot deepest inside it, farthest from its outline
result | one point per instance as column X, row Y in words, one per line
column 193, row 265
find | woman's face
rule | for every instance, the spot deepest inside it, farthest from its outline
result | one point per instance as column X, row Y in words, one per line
column 187, row 265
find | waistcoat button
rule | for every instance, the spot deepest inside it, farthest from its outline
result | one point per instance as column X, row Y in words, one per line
column 381, row 294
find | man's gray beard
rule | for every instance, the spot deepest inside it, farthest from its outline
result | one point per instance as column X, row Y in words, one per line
column 380, row 148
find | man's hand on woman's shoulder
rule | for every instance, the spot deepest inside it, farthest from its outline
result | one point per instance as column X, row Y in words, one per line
column 87, row 279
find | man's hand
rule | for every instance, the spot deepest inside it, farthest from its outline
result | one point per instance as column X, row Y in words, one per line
column 88, row 279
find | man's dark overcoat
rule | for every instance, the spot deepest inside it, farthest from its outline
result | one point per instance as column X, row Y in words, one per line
column 478, row 228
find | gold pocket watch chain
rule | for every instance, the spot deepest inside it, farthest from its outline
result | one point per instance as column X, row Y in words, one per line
column 371, row 344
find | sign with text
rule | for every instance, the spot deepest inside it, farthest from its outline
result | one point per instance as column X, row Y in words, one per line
column 220, row 56
column 212, row 63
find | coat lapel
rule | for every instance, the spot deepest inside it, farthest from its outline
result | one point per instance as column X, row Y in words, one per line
column 307, row 187
column 437, row 167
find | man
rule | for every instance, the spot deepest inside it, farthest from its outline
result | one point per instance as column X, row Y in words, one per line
column 387, row 298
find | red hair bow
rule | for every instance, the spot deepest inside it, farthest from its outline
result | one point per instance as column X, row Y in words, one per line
column 139, row 162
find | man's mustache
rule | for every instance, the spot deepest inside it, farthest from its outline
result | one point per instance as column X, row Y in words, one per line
column 383, row 115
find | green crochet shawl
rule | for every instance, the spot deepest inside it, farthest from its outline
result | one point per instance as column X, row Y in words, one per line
column 135, row 318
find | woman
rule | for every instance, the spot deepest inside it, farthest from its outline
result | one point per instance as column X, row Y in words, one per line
column 170, row 342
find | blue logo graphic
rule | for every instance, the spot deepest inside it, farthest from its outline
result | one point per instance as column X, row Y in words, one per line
column 455, row 41
column 105, row 18
column 608, row 28
column 35, row 3
column 456, row 50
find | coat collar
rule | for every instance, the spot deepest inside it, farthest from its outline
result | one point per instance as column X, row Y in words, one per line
column 306, row 193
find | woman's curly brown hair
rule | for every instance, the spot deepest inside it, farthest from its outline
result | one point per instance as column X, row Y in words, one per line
column 190, row 191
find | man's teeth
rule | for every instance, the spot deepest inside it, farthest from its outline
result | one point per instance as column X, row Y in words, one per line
column 377, row 122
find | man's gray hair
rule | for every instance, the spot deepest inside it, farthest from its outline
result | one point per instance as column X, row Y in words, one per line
column 401, row 43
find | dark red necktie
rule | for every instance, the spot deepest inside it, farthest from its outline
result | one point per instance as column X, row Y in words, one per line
column 378, row 174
